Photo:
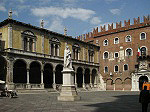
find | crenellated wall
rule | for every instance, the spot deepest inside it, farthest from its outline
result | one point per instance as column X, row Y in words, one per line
column 137, row 23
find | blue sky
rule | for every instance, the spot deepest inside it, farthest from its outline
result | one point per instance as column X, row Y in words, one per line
column 78, row 16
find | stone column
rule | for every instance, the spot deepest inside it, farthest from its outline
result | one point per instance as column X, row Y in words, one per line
column 58, row 50
column 91, row 80
column 54, row 83
column 75, row 76
column 28, row 75
column 50, row 51
column 54, row 50
column 83, row 85
column 42, row 76
column 34, row 45
column 10, row 36
column 9, row 77
column 28, row 39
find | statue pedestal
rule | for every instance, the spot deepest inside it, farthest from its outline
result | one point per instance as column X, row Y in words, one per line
column 68, row 91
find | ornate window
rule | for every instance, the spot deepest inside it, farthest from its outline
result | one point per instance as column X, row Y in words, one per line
column 142, row 36
column 125, row 67
column 91, row 54
column 128, row 38
column 116, row 40
column 76, row 51
column 106, row 69
column 105, row 42
column 116, row 68
column 105, row 56
column 129, row 52
column 143, row 51
column 28, row 41
column 54, row 47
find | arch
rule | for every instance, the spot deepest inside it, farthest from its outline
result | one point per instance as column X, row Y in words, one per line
column 94, row 75
column 142, row 36
column 127, row 84
column 87, row 76
column 118, row 84
column 105, row 42
column 19, row 71
column 79, row 76
column 106, row 55
column 35, row 73
column 143, row 50
column 109, row 84
column 116, row 40
column 129, row 52
column 48, row 75
column 128, row 38
column 142, row 79
column 3, row 68
column 58, row 74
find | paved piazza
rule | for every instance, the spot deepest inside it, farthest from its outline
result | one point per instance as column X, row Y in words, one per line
column 110, row 101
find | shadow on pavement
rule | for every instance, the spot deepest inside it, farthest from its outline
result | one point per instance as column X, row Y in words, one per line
column 123, row 103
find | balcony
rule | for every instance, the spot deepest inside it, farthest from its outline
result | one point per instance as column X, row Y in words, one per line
column 41, row 55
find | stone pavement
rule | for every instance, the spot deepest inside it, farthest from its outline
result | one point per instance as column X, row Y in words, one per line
column 102, row 101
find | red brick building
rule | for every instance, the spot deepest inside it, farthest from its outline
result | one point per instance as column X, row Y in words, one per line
column 119, row 62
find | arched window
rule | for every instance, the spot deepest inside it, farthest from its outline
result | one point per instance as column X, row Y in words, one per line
column 28, row 41
column 76, row 51
column 125, row 67
column 142, row 36
column 91, row 54
column 106, row 69
column 105, row 43
column 143, row 51
column 129, row 52
column 116, row 40
column 54, row 47
column 116, row 68
column 105, row 56
column 128, row 38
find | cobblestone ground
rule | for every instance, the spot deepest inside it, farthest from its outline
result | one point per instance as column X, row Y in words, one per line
column 110, row 101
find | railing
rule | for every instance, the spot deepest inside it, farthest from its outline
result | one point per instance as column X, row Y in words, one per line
column 41, row 55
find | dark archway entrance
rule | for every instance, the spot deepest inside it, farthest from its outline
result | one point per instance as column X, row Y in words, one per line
column 35, row 73
column 94, row 74
column 79, row 77
column 19, row 72
column 48, row 76
column 142, row 79
column 3, row 68
column 87, row 76
column 58, row 74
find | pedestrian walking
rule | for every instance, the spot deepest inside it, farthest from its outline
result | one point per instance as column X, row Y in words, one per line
column 144, row 99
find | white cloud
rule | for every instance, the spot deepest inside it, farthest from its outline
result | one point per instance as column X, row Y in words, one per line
column 56, row 25
column 115, row 11
column 77, row 13
column 111, row 0
column 95, row 20
column 2, row 8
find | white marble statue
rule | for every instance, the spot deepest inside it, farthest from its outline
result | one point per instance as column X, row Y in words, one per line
column 67, row 58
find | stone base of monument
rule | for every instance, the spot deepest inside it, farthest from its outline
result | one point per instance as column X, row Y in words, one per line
column 68, row 91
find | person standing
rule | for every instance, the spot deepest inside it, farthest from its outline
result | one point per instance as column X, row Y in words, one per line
column 144, row 99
